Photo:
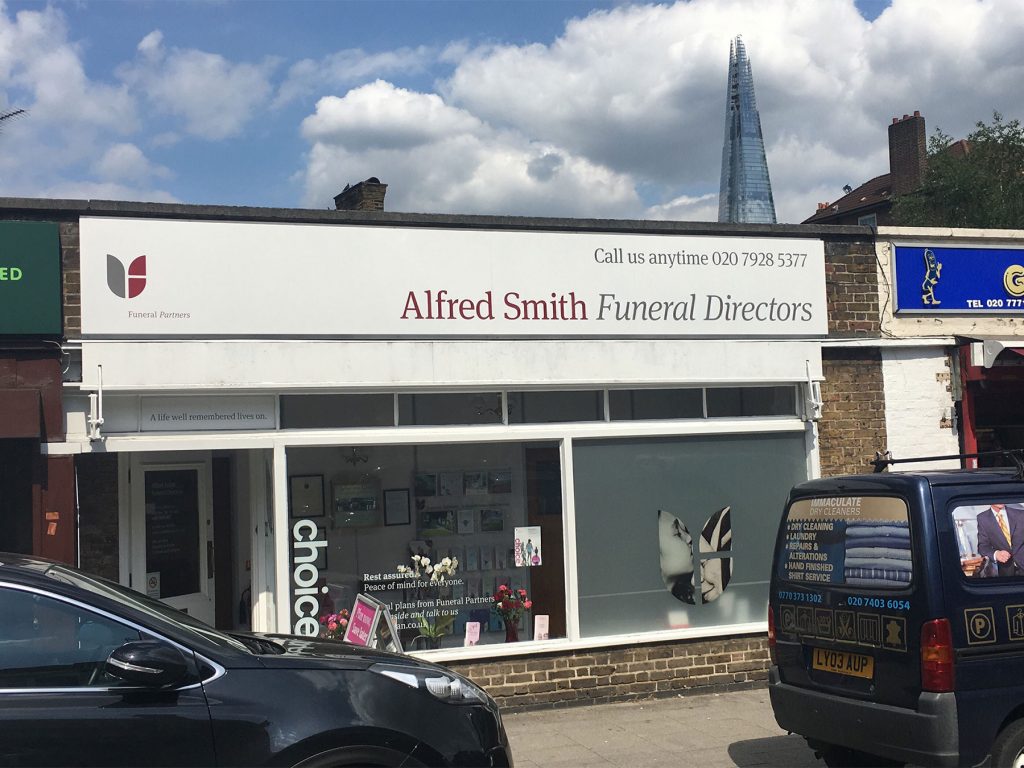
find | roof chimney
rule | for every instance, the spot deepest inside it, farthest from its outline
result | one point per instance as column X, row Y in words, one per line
column 363, row 196
column 908, row 156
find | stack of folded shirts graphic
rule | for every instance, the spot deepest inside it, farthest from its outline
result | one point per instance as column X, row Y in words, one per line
column 878, row 554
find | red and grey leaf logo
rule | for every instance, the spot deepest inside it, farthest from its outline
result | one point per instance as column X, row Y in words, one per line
column 124, row 286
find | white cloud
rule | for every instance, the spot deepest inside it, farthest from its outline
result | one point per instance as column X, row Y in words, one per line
column 126, row 162
column 381, row 116
column 348, row 67
column 449, row 161
column 215, row 98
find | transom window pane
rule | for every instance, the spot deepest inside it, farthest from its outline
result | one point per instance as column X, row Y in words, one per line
column 549, row 407
column 456, row 408
column 752, row 401
column 643, row 404
column 337, row 411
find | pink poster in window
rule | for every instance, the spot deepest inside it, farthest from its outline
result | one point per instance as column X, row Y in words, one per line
column 472, row 632
column 361, row 622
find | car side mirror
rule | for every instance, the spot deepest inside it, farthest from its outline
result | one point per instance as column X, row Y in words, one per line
column 148, row 663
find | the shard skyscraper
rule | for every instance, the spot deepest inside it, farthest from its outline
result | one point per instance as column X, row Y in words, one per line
column 745, row 194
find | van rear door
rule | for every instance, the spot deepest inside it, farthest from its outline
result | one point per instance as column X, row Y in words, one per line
column 844, row 596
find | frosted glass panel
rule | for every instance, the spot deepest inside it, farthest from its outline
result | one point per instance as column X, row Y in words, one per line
column 631, row 558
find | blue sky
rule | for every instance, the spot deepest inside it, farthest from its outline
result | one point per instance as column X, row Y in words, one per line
column 533, row 107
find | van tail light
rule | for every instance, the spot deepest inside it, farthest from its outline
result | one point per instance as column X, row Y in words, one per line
column 937, row 656
column 771, row 635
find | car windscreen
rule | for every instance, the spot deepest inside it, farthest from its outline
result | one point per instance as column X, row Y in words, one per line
column 853, row 541
column 155, row 609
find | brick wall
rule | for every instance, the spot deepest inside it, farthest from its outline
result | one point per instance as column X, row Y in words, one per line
column 69, row 255
column 595, row 676
column 851, row 288
column 852, row 425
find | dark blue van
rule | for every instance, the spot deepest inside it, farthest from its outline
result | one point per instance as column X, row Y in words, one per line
column 896, row 618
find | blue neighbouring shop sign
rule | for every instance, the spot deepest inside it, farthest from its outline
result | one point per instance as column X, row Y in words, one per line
column 936, row 279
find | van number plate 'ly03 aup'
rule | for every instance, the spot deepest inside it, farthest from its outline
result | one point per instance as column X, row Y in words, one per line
column 843, row 663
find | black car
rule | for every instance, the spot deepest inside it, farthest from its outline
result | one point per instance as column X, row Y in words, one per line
column 92, row 673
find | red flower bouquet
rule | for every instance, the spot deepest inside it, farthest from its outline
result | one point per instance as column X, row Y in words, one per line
column 333, row 625
column 510, row 603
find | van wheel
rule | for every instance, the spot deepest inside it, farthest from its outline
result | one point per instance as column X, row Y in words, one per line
column 844, row 757
column 1008, row 748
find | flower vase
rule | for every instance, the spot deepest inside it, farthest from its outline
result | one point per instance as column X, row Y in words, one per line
column 511, row 631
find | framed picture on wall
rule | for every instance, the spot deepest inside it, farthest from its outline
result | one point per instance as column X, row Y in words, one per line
column 396, row 506
column 492, row 520
column 449, row 484
column 306, row 495
column 355, row 505
column 436, row 522
column 474, row 483
column 499, row 481
column 425, row 484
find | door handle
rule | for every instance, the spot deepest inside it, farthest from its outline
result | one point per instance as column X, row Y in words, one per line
column 209, row 559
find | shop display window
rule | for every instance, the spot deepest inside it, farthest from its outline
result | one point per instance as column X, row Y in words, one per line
column 677, row 533
column 483, row 514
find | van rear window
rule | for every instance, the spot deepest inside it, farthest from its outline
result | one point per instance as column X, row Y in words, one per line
column 856, row 541
column 990, row 537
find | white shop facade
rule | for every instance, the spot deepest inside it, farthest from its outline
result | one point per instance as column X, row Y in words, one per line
column 607, row 419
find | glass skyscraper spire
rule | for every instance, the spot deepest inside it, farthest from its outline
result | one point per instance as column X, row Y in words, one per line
column 745, row 193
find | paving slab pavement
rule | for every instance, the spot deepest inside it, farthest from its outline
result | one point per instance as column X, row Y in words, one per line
column 711, row 730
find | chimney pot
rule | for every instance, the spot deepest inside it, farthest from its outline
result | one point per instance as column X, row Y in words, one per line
column 362, row 196
column 895, row 120
column 917, row 113
column 908, row 154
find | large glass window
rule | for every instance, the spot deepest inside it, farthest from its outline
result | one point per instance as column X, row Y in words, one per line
column 493, row 510
column 677, row 533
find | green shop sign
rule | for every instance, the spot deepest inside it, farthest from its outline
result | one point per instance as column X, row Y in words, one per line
column 30, row 290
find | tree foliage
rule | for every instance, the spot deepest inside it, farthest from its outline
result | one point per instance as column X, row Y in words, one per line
column 983, row 188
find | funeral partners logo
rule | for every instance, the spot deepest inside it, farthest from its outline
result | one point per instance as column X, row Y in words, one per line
column 122, row 285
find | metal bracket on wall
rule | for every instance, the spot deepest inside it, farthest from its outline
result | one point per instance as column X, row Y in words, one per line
column 812, row 397
column 95, row 418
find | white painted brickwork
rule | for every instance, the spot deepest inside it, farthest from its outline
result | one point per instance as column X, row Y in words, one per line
column 918, row 404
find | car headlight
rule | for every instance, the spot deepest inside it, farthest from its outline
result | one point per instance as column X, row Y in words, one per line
column 445, row 686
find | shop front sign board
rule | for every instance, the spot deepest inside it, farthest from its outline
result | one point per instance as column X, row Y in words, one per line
column 156, row 279
column 30, row 279
column 931, row 279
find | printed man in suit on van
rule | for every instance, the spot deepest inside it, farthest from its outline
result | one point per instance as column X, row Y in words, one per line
column 1001, row 538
